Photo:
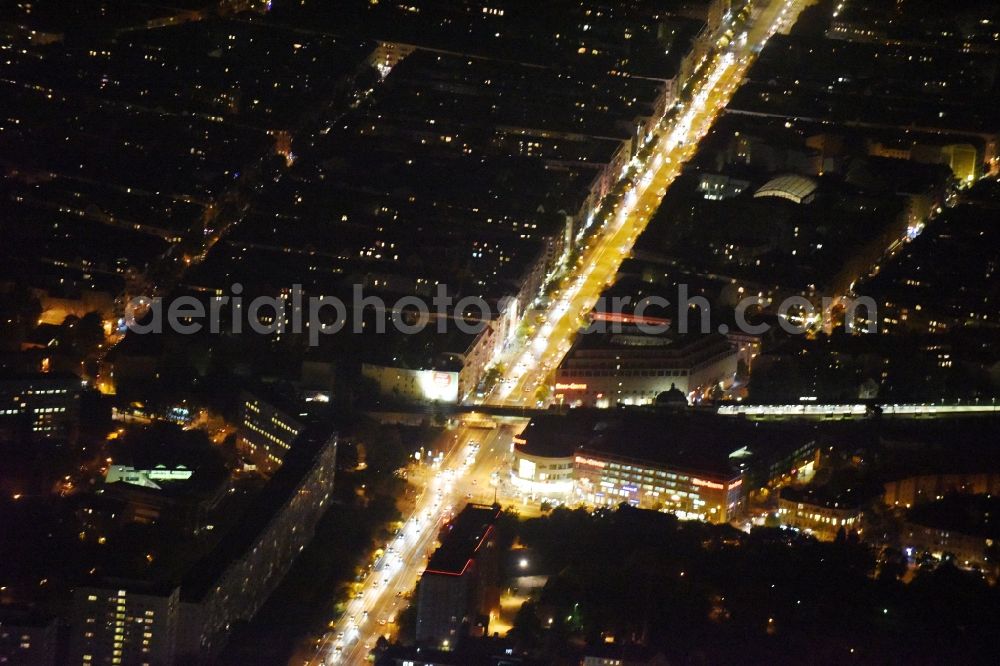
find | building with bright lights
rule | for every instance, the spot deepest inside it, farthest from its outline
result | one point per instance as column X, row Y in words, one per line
column 718, row 187
column 40, row 407
column 125, row 622
column 692, row 464
column 442, row 365
column 632, row 368
column 414, row 385
column 147, row 478
column 823, row 517
column 459, row 590
column 268, row 429
column 543, row 466
column 793, row 187
column 684, row 481
column 646, row 460
column 544, row 477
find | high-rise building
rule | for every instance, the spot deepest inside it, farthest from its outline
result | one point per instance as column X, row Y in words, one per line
column 125, row 623
column 268, row 429
column 135, row 622
column 459, row 589
column 27, row 637
column 230, row 584
column 40, row 406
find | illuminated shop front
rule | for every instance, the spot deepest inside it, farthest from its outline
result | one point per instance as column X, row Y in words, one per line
column 699, row 466
column 609, row 480
column 542, row 477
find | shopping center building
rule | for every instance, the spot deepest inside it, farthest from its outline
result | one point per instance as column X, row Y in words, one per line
column 663, row 464
column 544, row 453
column 694, row 465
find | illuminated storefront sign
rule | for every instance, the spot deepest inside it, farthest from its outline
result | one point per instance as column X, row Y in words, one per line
column 708, row 484
column 440, row 386
column 571, row 387
column 590, row 462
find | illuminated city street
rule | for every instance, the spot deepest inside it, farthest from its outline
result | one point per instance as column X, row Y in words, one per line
column 462, row 476
column 599, row 263
column 396, row 572
column 442, row 333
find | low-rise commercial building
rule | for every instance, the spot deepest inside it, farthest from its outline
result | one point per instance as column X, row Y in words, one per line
column 543, row 466
column 694, row 465
column 695, row 480
column 822, row 517
column 144, row 496
column 414, row 385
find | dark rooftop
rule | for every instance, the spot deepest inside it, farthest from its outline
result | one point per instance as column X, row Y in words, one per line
column 461, row 538
column 692, row 442
column 558, row 436
column 265, row 506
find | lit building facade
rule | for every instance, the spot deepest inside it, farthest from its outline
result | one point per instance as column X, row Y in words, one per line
column 928, row 487
column 542, row 466
column 422, row 385
column 124, row 624
column 604, row 479
column 823, row 520
column 692, row 464
column 632, row 369
column 543, row 477
column 718, row 187
column 147, row 478
column 40, row 406
column 267, row 432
